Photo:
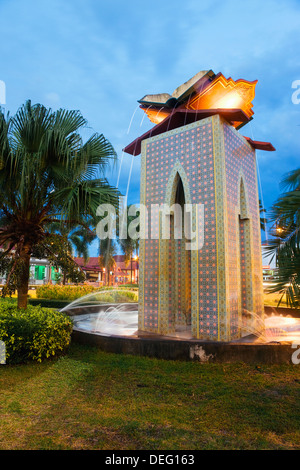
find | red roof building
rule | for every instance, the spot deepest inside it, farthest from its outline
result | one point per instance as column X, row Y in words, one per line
column 122, row 273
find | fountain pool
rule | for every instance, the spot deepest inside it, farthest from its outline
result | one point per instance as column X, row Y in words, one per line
column 113, row 327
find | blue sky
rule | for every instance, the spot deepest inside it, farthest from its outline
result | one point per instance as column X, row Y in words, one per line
column 102, row 56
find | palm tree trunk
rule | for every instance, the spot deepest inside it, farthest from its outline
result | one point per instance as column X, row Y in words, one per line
column 24, row 278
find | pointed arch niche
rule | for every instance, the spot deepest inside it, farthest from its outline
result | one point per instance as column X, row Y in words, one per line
column 245, row 257
column 176, row 296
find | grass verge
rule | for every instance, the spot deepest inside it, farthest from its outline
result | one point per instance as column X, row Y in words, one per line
column 89, row 399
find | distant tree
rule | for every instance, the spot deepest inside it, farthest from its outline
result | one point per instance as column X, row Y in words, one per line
column 75, row 240
column 107, row 252
column 55, row 249
column 129, row 245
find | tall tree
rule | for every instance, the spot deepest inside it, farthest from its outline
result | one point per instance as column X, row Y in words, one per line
column 47, row 174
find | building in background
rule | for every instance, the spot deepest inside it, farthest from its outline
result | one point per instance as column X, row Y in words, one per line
column 40, row 273
column 122, row 273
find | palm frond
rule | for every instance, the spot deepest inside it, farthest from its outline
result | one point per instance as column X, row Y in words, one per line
column 29, row 126
column 82, row 200
column 291, row 180
column 285, row 247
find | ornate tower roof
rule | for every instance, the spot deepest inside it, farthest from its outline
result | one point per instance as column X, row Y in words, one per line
column 204, row 91
column 203, row 95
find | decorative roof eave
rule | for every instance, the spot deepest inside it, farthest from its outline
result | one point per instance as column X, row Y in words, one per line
column 180, row 117
column 95, row 269
column 256, row 144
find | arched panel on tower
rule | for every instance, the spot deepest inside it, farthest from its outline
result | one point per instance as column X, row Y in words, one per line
column 175, row 258
column 246, row 256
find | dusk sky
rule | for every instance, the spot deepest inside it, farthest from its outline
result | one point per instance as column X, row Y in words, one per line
column 102, row 56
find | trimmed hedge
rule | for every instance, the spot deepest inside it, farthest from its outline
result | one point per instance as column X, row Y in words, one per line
column 49, row 303
column 33, row 334
column 117, row 296
column 59, row 296
column 57, row 292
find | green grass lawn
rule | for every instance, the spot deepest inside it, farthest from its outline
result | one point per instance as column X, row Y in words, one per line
column 89, row 399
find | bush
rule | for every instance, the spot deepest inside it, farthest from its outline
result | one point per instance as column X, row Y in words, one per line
column 56, row 292
column 117, row 296
column 35, row 333
column 126, row 296
column 105, row 298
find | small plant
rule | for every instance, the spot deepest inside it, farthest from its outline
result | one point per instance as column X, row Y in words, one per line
column 35, row 333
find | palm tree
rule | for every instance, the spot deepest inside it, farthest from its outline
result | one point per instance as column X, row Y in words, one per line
column 47, row 174
column 285, row 246
column 107, row 251
column 128, row 248
column 129, row 245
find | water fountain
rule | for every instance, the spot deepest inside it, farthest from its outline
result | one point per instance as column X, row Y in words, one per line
column 201, row 293
column 114, row 328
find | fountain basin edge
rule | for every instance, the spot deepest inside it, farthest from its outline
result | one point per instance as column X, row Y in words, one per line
column 183, row 349
column 188, row 350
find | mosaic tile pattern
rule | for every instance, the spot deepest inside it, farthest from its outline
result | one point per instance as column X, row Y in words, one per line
column 244, row 242
column 203, row 288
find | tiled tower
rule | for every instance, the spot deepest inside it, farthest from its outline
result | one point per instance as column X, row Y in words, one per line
column 195, row 158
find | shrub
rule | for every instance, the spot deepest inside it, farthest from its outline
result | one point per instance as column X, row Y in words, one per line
column 35, row 333
column 105, row 298
column 117, row 296
column 56, row 292
column 126, row 296
column 70, row 293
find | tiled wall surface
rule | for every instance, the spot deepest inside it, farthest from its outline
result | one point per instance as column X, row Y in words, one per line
column 205, row 287
column 244, row 242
